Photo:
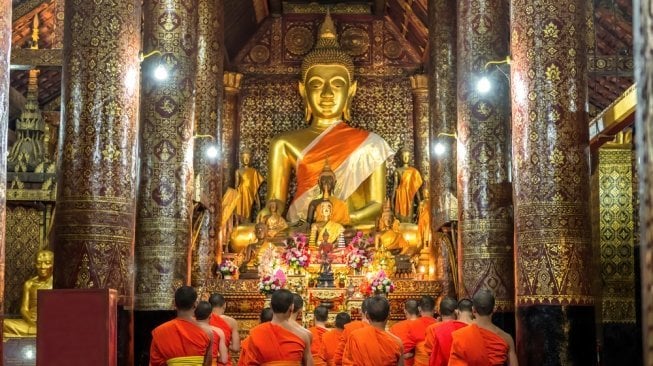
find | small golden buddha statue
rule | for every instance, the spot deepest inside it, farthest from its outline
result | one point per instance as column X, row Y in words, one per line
column 26, row 327
column 388, row 235
column 248, row 180
column 407, row 182
column 333, row 229
column 424, row 219
column 357, row 157
column 276, row 224
column 250, row 262
column 327, row 183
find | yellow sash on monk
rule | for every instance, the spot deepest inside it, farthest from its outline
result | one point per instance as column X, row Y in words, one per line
column 421, row 354
column 186, row 361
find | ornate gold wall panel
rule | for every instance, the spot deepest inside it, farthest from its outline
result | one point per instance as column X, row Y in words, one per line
column 643, row 14
column 208, row 129
column 419, row 85
column 94, row 223
column 271, row 105
column 5, row 47
column 230, row 127
column 24, row 237
column 550, row 145
column 484, row 187
column 616, row 236
column 166, row 175
column 442, row 107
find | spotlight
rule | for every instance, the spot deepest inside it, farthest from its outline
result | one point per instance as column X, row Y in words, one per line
column 161, row 73
column 483, row 85
column 212, row 152
column 439, row 148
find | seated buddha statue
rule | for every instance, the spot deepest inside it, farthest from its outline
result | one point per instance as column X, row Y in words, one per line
column 26, row 326
column 275, row 223
column 250, row 255
column 357, row 157
column 407, row 181
column 333, row 229
column 327, row 183
column 388, row 234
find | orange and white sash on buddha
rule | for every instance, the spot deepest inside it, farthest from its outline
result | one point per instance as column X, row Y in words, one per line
column 353, row 155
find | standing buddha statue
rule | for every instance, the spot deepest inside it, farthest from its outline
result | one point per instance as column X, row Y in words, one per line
column 357, row 157
column 248, row 180
column 407, row 182
column 26, row 326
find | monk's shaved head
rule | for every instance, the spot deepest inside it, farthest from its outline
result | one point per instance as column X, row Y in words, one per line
column 448, row 306
column 321, row 313
column 342, row 319
column 185, row 298
column 203, row 310
column 411, row 307
column 365, row 305
column 465, row 305
column 484, row 302
column 298, row 303
column 281, row 301
column 378, row 309
column 266, row 315
column 427, row 303
column 217, row 300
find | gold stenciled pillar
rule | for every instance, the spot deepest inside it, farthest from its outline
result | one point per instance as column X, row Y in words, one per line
column 484, row 187
column 95, row 208
column 5, row 49
column 643, row 41
column 443, row 119
column 419, row 87
column 550, row 139
column 230, row 127
column 208, row 127
column 163, row 235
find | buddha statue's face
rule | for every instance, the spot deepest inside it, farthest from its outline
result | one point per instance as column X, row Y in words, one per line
column 327, row 90
column 326, row 184
column 273, row 206
column 246, row 158
column 44, row 264
column 326, row 210
column 405, row 157
column 260, row 230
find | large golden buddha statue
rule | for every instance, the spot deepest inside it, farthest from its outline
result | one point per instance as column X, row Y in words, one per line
column 26, row 326
column 357, row 157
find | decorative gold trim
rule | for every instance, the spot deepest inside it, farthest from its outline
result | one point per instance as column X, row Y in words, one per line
column 27, row 58
column 315, row 8
column 31, row 195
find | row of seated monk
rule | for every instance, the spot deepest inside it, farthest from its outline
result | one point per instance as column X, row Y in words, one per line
column 461, row 334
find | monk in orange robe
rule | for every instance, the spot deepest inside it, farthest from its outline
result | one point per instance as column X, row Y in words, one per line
column 320, row 315
column 331, row 339
column 346, row 333
column 264, row 317
column 415, row 341
column 372, row 345
column 482, row 343
column 278, row 342
column 181, row 339
column 438, row 336
column 220, row 352
column 228, row 325
column 401, row 329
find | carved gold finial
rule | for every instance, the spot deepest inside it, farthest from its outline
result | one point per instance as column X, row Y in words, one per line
column 35, row 33
column 327, row 50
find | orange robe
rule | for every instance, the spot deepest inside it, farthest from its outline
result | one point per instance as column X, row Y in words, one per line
column 275, row 345
column 473, row 345
column 416, row 340
column 177, row 338
column 344, row 337
column 370, row 346
column 217, row 321
column 330, row 342
column 243, row 357
column 316, row 345
column 439, row 340
column 409, row 184
column 401, row 329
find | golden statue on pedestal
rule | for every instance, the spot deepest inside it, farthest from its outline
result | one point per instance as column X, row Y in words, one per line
column 407, row 181
column 388, row 236
column 327, row 183
column 276, row 224
column 248, row 180
column 250, row 256
column 26, row 327
column 333, row 229
column 356, row 156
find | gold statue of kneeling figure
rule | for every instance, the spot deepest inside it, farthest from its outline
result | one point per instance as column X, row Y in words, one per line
column 26, row 326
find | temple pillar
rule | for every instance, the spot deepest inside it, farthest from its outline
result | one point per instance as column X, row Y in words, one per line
column 208, row 127
column 165, row 206
column 484, row 187
column 419, row 87
column 442, row 129
column 5, row 49
column 230, row 127
column 550, row 138
column 643, row 42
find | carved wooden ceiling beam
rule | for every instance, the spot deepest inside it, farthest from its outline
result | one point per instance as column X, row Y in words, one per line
column 26, row 59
